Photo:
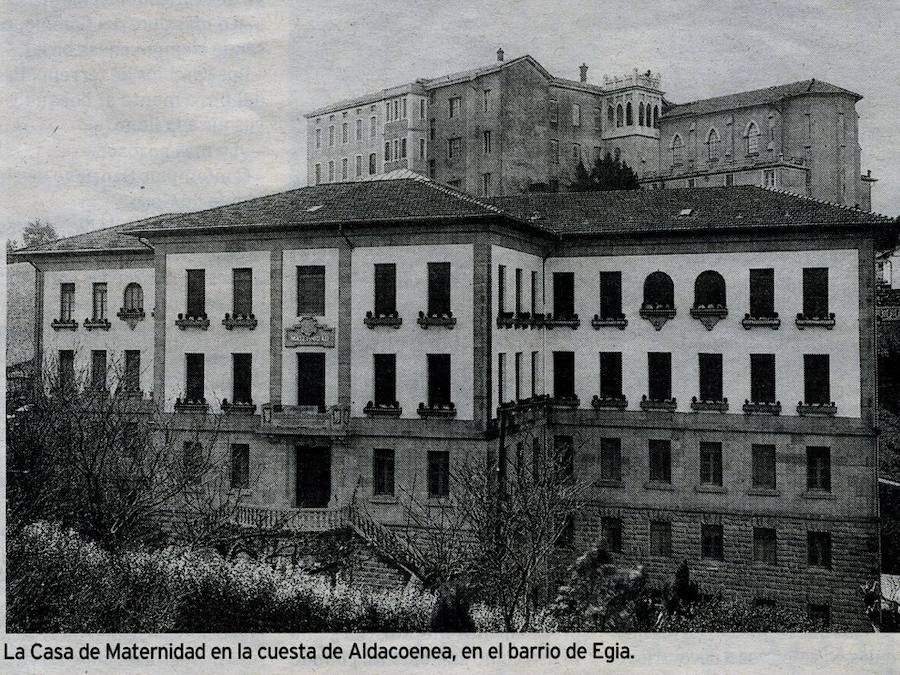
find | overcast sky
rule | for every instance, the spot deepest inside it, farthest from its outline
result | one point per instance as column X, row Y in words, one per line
column 119, row 110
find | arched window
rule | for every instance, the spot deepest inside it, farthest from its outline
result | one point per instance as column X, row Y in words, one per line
column 610, row 117
column 712, row 145
column 619, row 115
column 709, row 290
column 134, row 297
column 659, row 291
column 629, row 118
column 656, row 117
column 641, row 114
column 677, row 150
column 752, row 134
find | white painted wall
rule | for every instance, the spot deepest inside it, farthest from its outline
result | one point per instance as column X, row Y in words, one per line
column 411, row 343
column 217, row 343
column 118, row 338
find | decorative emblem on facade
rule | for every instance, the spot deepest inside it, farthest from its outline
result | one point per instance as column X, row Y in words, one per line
column 309, row 333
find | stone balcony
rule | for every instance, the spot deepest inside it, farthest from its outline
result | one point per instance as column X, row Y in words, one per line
column 308, row 420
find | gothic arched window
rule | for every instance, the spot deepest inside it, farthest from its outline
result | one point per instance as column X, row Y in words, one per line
column 709, row 290
column 629, row 118
column 641, row 114
column 619, row 115
column 610, row 117
column 677, row 150
column 659, row 291
column 656, row 117
column 134, row 297
column 712, row 145
column 752, row 134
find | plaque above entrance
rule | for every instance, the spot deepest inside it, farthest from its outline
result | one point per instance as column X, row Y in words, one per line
column 309, row 333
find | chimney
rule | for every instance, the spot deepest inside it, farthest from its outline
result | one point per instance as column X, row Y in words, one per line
column 583, row 68
column 500, row 54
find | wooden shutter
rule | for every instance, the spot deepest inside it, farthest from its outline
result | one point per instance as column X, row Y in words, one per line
column 243, row 291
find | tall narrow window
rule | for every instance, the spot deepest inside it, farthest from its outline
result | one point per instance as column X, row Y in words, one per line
column 193, row 460
column 815, row 292
column 501, row 288
column 387, row 151
column 385, row 289
column 629, row 116
column 98, row 369
column 611, row 459
column 763, row 468
column 818, row 549
column 712, row 145
column 710, row 377
column 438, row 474
column 641, row 114
column 610, row 374
column 501, row 378
column 132, row 370
column 517, row 376
column 345, row 133
column 677, row 150
column 345, row 172
column 576, row 115
column 243, row 291
column 358, row 171
column 816, row 378
column 518, row 298
column 620, row 116
column 554, row 151
column 563, row 294
column 660, row 454
column 438, row 379
column 598, row 119
column 373, row 163
column 331, row 136
column 383, row 472
column 765, row 545
column 311, row 380
column 194, row 377
column 359, row 129
column 438, row 288
column 242, row 369
column 710, row 463
column 485, row 100
column 659, row 370
column 455, row 102
column 385, row 379
column 66, row 368
column 534, row 374
column 331, row 171
column 99, row 301
column 660, row 538
column 421, row 148
column 762, row 293
column 196, row 293
column 752, row 139
column 818, row 468
column 564, row 375
column 564, row 455
column 486, row 142
column 310, row 290
column 487, row 182
column 612, row 534
column 66, row 301
column 712, row 541
column 318, row 138
column 402, row 148
column 240, row 466
column 553, row 111
column 762, row 378
column 610, row 295
column 534, row 293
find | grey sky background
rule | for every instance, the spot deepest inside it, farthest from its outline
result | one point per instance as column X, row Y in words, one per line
column 119, row 110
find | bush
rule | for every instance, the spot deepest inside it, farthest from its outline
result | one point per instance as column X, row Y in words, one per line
column 719, row 615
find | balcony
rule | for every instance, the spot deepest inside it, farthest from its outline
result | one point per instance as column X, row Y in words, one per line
column 804, row 321
column 817, row 409
column 286, row 518
column 184, row 322
column 64, row 324
column 439, row 410
column 565, row 401
column 130, row 316
column 709, row 315
column 699, row 405
column 609, row 402
column 522, row 320
column 238, row 407
column 561, row 321
column 618, row 321
column 383, row 409
column 762, row 407
column 390, row 320
column 657, row 315
column 772, row 321
column 97, row 324
column 232, row 321
column 440, row 320
column 659, row 405
column 506, row 320
column 305, row 419
column 186, row 405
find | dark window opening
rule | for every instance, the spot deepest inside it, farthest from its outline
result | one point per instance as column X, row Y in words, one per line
column 610, row 374
column 610, row 295
column 193, row 461
column 765, row 545
column 66, row 368
column 534, row 373
column 383, row 472
column 98, row 369
column 612, row 534
column 564, row 454
column 242, row 367
column 816, row 378
column 659, row 291
column 132, row 370
column 66, row 301
column 563, row 294
column 710, row 463
column 712, row 542
column 134, row 297
column 438, row 473
column 762, row 378
column 518, row 298
column 385, row 366
column 534, row 293
column 659, row 368
column 501, row 288
column 818, row 468
column 566, row 535
column 517, row 376
column 243, row 291
column 563, row 375
column 385, row 289
column 438, row 379
column 611, row 459
column 240, row 466
column 710, row 377
column 660, row 461
column 438, row 288
column 99, row 301
column 818, row 549
column 194, row 377
column 196, row 293
column 762, row 293
column 310, row 290
column 763, row 466
column 815, row 292
column 660, row 538
column 311, row 380
column 709, row 289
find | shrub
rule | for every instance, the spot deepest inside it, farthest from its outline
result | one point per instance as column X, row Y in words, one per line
column 720, row 615
column 452, row 612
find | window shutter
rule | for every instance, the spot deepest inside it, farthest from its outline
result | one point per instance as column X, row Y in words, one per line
column 310, row 290
column 610, row 374
column 815, row 291
column 385, row 379
column 196, row 292
column 242, row 377
column 762, row 292
column 610, row 294
column 438, row 288
column 438, row 379
column 243, row 291
column 762, row 378
column 385, row 288
column 710, row 377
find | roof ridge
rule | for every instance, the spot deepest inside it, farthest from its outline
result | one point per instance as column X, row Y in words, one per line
column 459, row 194
column 824, row 202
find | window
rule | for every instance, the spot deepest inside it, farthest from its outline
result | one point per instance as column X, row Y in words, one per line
column 501, row 378
column 765, row 545
column 439, row 288
column 373, row 126
column 564, row 455
column 501, row 288
column 455, row 103
column 194, row 377
column 818, row 549
column 816, row 378
column 402, row 148
column 641, row 114
column 242, row 287
column 610, row 295
column 729, row 179
column 344, row 169
column 554, row 151
column 764, row 466
column 240, row 466
column 422, row 108
column 712, row 543
column 712, row 145
column 563, row 294
column 421, row 148
column 762, row 378
column 387, row 151
column 438, row 379
column 710, row 377
column 659, row 371
column 485, row 100
column 660, row 538
column 629, row 119
column 612, row 534
column 762, row 292
column 518, row 290
column 403, row 105
column 318, row 174
column 769, row 178
column 710, row 463
column 534, row 374
column 660, row 461
column 134, row 297
column 431, row 168
column 752, row 135
column 517, row 376
column 242, row 369
column 331, row 171
column 566, row 534
column 576, row 153
column 655, row 117
column 193, row 460
column 331, row 136
column 345, row 133
column 818, row 469
column 66, row 368
column 563, row 375
column 610, row 116
column 620, row 116
column 358, row 171
column 99, row 301
column 66, row 301
column 692, row 182
column 310, row 290
column 438, row 474
column 598, row 119
column 486, row 142
column 385, row 379
column 311, row 380
column 611, row 459
column 534, row 293
column 373, row 163
column 486, row 184
column 815, row 292
column 318, row 138
column 553, row 112
column 385, row 289
column 819, row 613
column 98, row 369
column 431, row 129
column 383, row 472
column 576, row 115
column 610, row 374
column 454, row 147
column 132, row 379
column 659, row 291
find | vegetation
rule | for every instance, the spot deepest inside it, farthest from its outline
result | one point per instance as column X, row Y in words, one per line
column 608, row 173
column 36, row 232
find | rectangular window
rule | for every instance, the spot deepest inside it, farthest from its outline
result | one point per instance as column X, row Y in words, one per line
column 564, row 455
column 358, row 167
column 486, row 100
column 712, row 543
column 762, row 293
column 598, row 118
column 240, row 466
column 517, row 376
column 373, row 163
column 486, row 142
column 729, row 180
column 98, row 369
column 518, row 291
column 438, row 379
column 132, row 380
column 534, row 374
column 762, row 378
column 387, row 151
column 193, row 460
column 403, row 106
column 501, row 288
column 769, row 178
column 818, row 468
column 99, row 301
column 764, row 466
column 421, row 148
column 310, row 290
column 195, row 389
column 501, row 378
column 710, row 377
column 454, row 147
column 385, row 379
column 660, row 461
column 385, row 289
column 431, row 129
column 432, row 168
column 554, row 151
column 576, row 153
column 659, row 370
column 438, row 474
column 373, row 127
column 383, row 472
column 818, row 549
column 612, row 534
column 815, row 291
column 576, row 115
column 486, row 184
column 660, row 538
column 318, row 138
column 242, row 369
column 66, row 368
column 611, row 459
column 455, row 103
column 66, row 301
column 563, row 375
column 402, row 148
column 331, row 136
column 610, row 295
column 311, row 380
column 359, row 129
column 331, row 171
column 421, row 108
column 610, row 374
column 553, row 111
column 318, row 174
column 710, row 463
column 438, row 288
column 816, row 378
column 345, row 133
column 563, row 294
column 344, row 169
column 196, row 293
column 765, row 545
column 242, row 287
column 534, row 293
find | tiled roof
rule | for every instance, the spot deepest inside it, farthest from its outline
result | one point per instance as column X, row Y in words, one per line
column 371, row 97
column 115, row 238
column 746, row 99
column 651, row 211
